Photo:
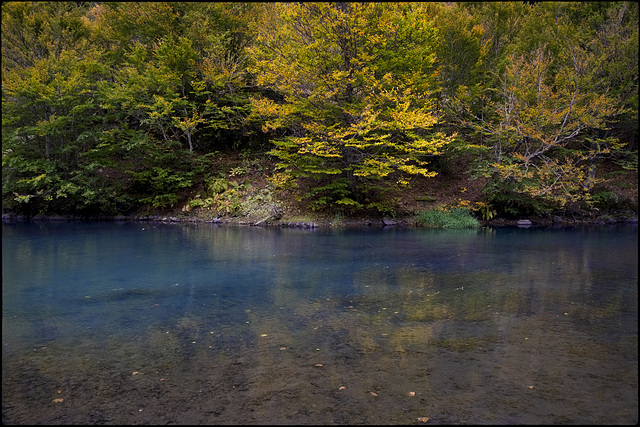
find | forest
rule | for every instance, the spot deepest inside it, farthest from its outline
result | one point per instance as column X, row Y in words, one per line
column 260, row 110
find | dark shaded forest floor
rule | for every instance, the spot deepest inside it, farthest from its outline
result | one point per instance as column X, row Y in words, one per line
column 451, row 187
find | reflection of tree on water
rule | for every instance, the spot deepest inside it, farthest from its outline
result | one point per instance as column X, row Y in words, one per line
column 188, row 326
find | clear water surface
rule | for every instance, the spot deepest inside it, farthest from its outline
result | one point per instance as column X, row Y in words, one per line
column 135, row 323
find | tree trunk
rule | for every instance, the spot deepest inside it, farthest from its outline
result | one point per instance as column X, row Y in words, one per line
column 47, row 148
column 189, row 139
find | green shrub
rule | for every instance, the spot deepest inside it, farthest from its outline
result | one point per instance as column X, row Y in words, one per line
column 216, row 185
column 159, row 187
column 507, row 199
column 609, row 202
column 454, row 218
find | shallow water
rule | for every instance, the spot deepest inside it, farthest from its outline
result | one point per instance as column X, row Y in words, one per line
column 109, row 323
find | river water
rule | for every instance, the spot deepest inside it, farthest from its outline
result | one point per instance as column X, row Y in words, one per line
column 137, row 323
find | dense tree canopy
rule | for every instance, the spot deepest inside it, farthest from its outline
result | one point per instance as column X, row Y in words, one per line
column 113, row 107
column 356, row 82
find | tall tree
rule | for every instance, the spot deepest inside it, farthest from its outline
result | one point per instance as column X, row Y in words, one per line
column 50, row 113
column 354, row 81
column 547, row 112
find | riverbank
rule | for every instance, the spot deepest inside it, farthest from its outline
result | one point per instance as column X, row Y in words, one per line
column 260, row 204
column 319, row 222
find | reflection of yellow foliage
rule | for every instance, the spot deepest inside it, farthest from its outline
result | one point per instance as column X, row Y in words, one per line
column 512, row 301
column 465, row 344
column 412, row 278
column 309, row 308
column 373, row 281
column 362, row 340
column 285, row 295
column 441, row 312
column 408, row 335
column 428, row 312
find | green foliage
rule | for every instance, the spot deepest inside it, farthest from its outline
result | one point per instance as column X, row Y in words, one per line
column 447, row 218
column 507, row 199
column 260, row 205
column 88, row 92
column 486, row 210
column 463, row 48
column 161, row 185
column 332, row 193
column 604, row 200
column 608, row 202
column 222, row 197
column 116, row 107
column 225, row 197
column 217, row 185
column 35, row 31
column 628, row 162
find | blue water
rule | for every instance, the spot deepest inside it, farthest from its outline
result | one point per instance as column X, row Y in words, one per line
column 174, row 323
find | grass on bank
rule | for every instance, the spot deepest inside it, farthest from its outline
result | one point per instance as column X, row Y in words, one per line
column 453, row 218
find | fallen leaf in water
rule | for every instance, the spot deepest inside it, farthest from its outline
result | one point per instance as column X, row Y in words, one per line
column 411, row 393
column 264, row 335
column 373, row 394
column 134, row 373
column 423, row 419
column 318, row 365
column 58, row 400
